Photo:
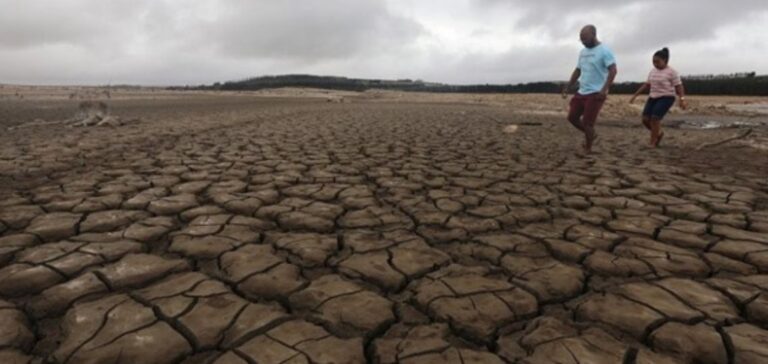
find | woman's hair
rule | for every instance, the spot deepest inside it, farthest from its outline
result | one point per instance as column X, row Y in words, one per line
column 663, row 54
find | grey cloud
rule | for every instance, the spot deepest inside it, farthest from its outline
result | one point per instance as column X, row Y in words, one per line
column 645, row 22
column 30, row 23
column 667, row 23
column 460, row 41
column 517, row 65
column 172, row 41
column 313, row 30
column 289, row 28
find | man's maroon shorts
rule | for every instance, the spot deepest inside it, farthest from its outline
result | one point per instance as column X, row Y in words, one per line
column 585, row 108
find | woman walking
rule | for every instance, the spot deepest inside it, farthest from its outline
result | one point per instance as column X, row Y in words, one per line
column 664, row 83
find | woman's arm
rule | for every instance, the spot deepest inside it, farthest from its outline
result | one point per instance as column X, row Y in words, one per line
column 640, row 90
column 681, row 93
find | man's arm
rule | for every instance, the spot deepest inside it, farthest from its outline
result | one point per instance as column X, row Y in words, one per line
column 574, row 77
column 612, row 72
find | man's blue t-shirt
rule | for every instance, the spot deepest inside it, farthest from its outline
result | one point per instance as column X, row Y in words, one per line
column 594, row 63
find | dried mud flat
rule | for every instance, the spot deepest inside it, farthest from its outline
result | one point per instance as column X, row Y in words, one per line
column 242, row 229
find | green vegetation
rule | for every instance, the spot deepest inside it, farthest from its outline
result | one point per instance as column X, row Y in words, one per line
column 744, row 84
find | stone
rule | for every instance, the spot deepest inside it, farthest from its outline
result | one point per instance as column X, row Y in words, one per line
column 711, row 302
column 692, row 344
column 625, row 315
column 312, row 249
column 12, row 356
column 117, row 328
column 303, row 221
column 551, row 280
column 660, row 300
column 750, row 343
column 374, row 267
column 55, row 300
column 344, row 305
column 173, row 204
column 304, row 341
column 22, row 279
column 55, row 226
column 757, row 310
column 738, row 234
column 15, row 332
column 109, row 220
column 474, row 304
column 136, row 269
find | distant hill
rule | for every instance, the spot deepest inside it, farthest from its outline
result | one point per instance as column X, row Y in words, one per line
column 326, row 82
column 747, row 84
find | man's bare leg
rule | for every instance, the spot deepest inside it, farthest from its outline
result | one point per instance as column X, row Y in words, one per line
column 574, row 117
column 591, row 113
column 590, row 137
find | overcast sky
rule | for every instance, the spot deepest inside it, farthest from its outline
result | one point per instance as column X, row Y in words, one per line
column 177, row 42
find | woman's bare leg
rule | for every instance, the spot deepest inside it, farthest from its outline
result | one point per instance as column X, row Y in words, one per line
column 647, row 124
column 655, row 131
column 659, row 132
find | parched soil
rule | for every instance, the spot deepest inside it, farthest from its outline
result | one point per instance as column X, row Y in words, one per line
column 239, row 229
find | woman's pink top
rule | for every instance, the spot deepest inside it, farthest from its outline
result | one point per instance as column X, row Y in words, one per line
column 663, row 82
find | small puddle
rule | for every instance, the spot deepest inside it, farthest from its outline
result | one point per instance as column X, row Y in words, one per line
column 714, row 122
column 756, row 108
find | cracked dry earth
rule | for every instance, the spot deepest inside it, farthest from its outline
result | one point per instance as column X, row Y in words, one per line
column 291, row 231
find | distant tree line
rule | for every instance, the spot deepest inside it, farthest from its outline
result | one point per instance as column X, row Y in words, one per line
column 744, row 84
column 738, row 84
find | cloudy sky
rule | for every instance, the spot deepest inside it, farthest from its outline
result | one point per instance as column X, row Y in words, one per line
column 177, row 42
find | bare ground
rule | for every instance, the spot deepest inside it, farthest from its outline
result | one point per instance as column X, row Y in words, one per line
column 352, row 228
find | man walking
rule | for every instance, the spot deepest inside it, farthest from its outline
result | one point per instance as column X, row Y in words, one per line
column 595, row 72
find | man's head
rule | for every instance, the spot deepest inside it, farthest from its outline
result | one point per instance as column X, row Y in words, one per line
column 589, row 36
